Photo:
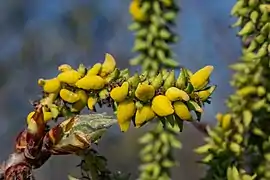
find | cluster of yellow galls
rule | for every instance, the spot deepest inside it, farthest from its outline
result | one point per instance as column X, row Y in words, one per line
column 81, row 80
column 148, row 103
column 136, row 98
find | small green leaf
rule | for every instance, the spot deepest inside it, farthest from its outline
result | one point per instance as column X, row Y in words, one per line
column 163, row 121
column 180, row 123
column 142, row 32
column 258, row 132
column 156, row 171
column 259, row 104
column 157, row 146
column 139, row 45
column 148, row 167
column 167, row 163
column 146, row 138
column 164, row 138
column 189, row 89
column 203, row 149
column 136, row 61
column 156, row 7
column 267, row 156
column 72, row 178
column 164, row 34
column 247, row 118
column 214, row 135
column 192, row 105
column 246, row 177
column 152, row 51
column 171, row 120
column 145, row 7
column 234, row 147
column 164, row 150
column 147, row 149
column 147, row 158
column 239, row 66
column 235, row 173
column 169, row 16
column 161, row 55
column 170, row 63
column 149, row 38
column 207, row 158
column 153, row 29
column 175, row 143
column 134, row 26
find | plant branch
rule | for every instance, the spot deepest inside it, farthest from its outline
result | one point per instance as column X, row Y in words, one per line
column 201, row 127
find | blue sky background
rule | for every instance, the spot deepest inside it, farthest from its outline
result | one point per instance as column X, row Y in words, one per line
column 36, row 36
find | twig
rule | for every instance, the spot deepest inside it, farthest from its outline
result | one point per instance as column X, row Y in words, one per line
column 15, row 164
column 200, row 127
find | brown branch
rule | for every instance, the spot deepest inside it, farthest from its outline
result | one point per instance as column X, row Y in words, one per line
column 17, row 167
column 200, row 127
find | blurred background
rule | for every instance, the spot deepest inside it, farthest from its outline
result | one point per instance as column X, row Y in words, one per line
column 38, row 35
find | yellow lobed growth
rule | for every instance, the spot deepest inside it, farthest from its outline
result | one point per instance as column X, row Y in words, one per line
column 224, row 120
column 136, row 98
column 138, row 8
column 136, row 11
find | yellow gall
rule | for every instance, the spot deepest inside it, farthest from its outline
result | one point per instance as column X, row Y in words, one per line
column 145, row 92
column 162, row 106
column 92, row 82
